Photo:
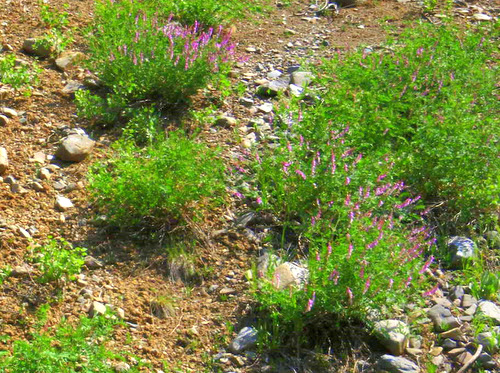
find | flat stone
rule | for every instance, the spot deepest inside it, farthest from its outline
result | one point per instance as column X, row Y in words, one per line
column 92, row 263
column 462, row 250
column 11, row 113
column 488, row 340
column 24, row 233
column 455, row 334
column 72, row 86
column 442, row 318
column 490, row 310
column 487, row 361
column 289, row 274
column 456, row 351
column 414, row 351
column 68, row 59
column 436, row 351
column 396, row 364
column 302, row 78
column 246, row 339
column 393, row 335
column 482, row 17
column 471, row 310
column 39, row 157
column 443, row 302
column 4, row 121
column 449, row 344
column 226, row 121
column 121, row 367
column 96, row 309
column 75, row 148
column 227, row 291
column 21, row 271
column 464, row 357
column 266, row 107
column 438, row 360
column 4, row 161
column 457, row 292
column 468, row 300
column 63, row 203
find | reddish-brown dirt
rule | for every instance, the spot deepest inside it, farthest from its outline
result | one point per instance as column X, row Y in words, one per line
column 137, row 273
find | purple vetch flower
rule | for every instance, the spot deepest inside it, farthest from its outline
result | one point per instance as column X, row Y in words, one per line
column 334, row 276
column 381, row 177
column 238, row 194
column 349, row 295
column 347, row 180
column 285, row 167
column 259, row 201
column 349, row 251
column 276, row 280
column 420, row 51
column 347, row 153
column 403, row 91
column 347, row 200
column 367, row 285
column 351, row 216
column 111, row 57
column 431, row 291
column 329, row 248
column 301, row 139
column 408, row 281
column 318, row 257
column 426, row 265
column 310, row 302
column 134, row 59
column 137, row 35
column 391, row 283
column 362, row 272
column 358, row 159
column 346, row 167
column 289, row 147
column 301, row 174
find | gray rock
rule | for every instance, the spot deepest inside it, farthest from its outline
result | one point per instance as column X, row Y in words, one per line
column 490, row 310
column 449, row 344
column 302, row 78
column 11, row 113
column 487, row 361
column 462, row 249
column 226, row 121
column 72, row 86
column 92, row 263
column 63, row 203
column 455, row 333
column 442, row 318
column 246, row 339
column 489, row 340
column 289, row 274
column 457, row 292
column 266, row 107
column 396, row 364
column 121, row 367
column 75, row 148
column 273, row 88
column 21, row 271
column 393, row 335
column 4, row 160
column 274, row 74
column 247, row 102
column 34, row 46
column 468, row 300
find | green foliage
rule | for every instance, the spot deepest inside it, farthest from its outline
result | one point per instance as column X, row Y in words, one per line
column 56, row 38
column 431, row 102
column 141, row 56
column 158, row 184
column 5, row 272
column 364, row 248
column 488, row 286
column 58, row 259
column 66, row 349
column 17, row 75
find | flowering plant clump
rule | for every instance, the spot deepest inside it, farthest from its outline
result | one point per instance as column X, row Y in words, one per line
column 364, row 247
column 140, row 55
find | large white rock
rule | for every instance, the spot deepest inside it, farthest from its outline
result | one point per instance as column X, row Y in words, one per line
column 4, row 161
column 396, row 364
column 490, row 309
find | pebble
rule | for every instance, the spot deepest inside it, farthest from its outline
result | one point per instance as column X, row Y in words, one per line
column 396, row 364
column 63, row 203
column 75, row 148
column 11, row 113
column 455, row 334
column 266, row 107
column 226, row 121
column 4, row 161
column 30, row 46
column 442, row 318
column 246, row 339
column 97, row 308
column 393, row 335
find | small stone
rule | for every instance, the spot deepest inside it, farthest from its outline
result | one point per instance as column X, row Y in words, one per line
column 274, row 74
column 442, row 318
column 68, row 59
column 464, row 358
column 462, row 250
column 289, row 274
column 97, row 308
column 4, row 121
column 120, row 312
column 266, row 107
column 468, row 300
column 487, row 361
column 59, row 185
column 11, row 113
column 246, row 339
column 39, row 157
column 247, row 102
column 250, row 49
column 396, row 364
column 455, row 334
column 438, row 360
column 226, row 121
column 37, row 187
column 9, row 180
column 302, row 78
column 24, row 233
column 393, row 335
column 457, row 292
column 488, row 340
column 21, row 271
column 121, row 367
column 490, row 310
column 72, row 86
column 92, row 263
column 465, row 318
column 4, row 161
column 456, row 351
column 436, row 351
column 44, row 174
column 471, row 310
column 482, row 17
column 227, row 291
column 296, row 90
column 449, row 344
column 63, row 203
column 415, row 342
column 414, row 351
column 36, row 47
column 75, row 148
column 443, row 302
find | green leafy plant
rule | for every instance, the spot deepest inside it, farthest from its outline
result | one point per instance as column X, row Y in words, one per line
column 142, row 57
column 17, row 75
column 158, row 184
column 431, row 102
column 65, row 349
column 58, row 259
column 57, row 38
column 488, row 286
column 5, row 272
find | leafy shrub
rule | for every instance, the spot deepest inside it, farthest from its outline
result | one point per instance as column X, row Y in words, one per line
column 58, row 259
column 64, row 350
column 142, row 56
column 431, row 102
column 363, row 248
column 158, row 184
column 56, row 38
column 17, row 75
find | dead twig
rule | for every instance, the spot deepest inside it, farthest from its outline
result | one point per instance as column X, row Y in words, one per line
column 474, row 357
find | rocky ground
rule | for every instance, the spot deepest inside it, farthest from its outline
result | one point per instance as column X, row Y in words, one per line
column 42, row 193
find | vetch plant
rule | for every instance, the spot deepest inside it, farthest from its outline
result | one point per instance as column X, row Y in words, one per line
column 143, row 57
column 17, row 75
